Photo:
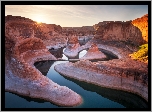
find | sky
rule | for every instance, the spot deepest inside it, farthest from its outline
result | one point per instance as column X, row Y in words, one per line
column 77, row 15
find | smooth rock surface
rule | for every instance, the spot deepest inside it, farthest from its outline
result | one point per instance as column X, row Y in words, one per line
column 94, row 53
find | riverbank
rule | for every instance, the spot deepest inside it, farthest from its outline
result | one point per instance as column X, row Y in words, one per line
column 122, row 74
column 23, row 78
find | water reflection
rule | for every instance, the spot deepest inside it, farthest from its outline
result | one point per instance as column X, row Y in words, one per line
column 63, row 56
column 128, row 100
column 58, row 53
column 82, row 53
column 43, row 66
column 93, row 96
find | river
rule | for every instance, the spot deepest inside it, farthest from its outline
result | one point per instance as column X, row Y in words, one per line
column 93, row 96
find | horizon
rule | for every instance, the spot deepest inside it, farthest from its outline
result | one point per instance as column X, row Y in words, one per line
column 77, row 15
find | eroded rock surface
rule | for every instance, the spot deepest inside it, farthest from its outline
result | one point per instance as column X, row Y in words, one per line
column 119, row 31
column 21, row 76
column 142, row 24
column 26, row 43
column 127, row 79
column 20, row 70
column 72, row 47
column 20, row 27
column 94, row 53
column 79, row 31
column 120, row 38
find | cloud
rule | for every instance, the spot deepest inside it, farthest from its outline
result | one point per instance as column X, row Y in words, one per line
column 78, row 13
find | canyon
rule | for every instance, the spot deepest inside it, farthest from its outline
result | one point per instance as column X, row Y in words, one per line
column 28, row 42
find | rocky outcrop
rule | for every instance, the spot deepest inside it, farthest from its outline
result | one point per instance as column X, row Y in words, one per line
column 122, row 97
column 121, row 74
column 79, row 31
column 94, row 53
column 26, row 42
column 119, row 31
column 106, row 76
column 58, row 53
column 20, row 70
column 142, row 24
column 44, row 66
column 84, row 39
column 72, row 47
column 96, row 26
column 20, row 27
column 23, row 78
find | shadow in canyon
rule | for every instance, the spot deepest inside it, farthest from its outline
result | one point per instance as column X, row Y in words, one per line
column 129, row 100
column 44, row 66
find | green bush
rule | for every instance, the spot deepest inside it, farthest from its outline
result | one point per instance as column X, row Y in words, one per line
column 141, row 54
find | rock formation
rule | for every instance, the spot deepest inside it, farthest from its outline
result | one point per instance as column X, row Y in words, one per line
column 27, row 42
column 20, row 27
column 44, row 66
column 20, row 70
column 58, row 53
column 72, row 47
column 94, row 53
column 107, row 76
column 79, row 31
column 120, row 38
column 142, row 24
column 119, row 31
column 21, row 76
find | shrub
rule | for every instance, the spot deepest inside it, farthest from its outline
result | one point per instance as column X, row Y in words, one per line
column 141, row 54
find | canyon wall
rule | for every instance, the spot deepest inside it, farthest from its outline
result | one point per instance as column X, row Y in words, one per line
column 21, row 45
column 79, row 31
column 142, row 24
column 119, row 31
column 16, row 26
column 24, row 45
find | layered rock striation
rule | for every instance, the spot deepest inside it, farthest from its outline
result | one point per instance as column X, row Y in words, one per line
column 21, row 76
column 20, row 70
column 120, row 38
column 119, row 31
column 109, row 76
column 79, row 31
column 27, row 42
column 20, row 27
column 142, row 24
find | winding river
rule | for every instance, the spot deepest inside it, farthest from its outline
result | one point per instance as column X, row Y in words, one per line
column 93, row 96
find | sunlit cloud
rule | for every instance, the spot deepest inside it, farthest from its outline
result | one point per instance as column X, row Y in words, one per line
column 77, row 15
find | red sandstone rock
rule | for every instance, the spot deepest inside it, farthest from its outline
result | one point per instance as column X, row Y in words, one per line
column 94, row 53
column 20, row 27
column 23, row 78
column 119, row 31
column 104, row 76
column 73, row 40
column 142, row 24
column 79, row 31
column 22, row 50
column 72, row 47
